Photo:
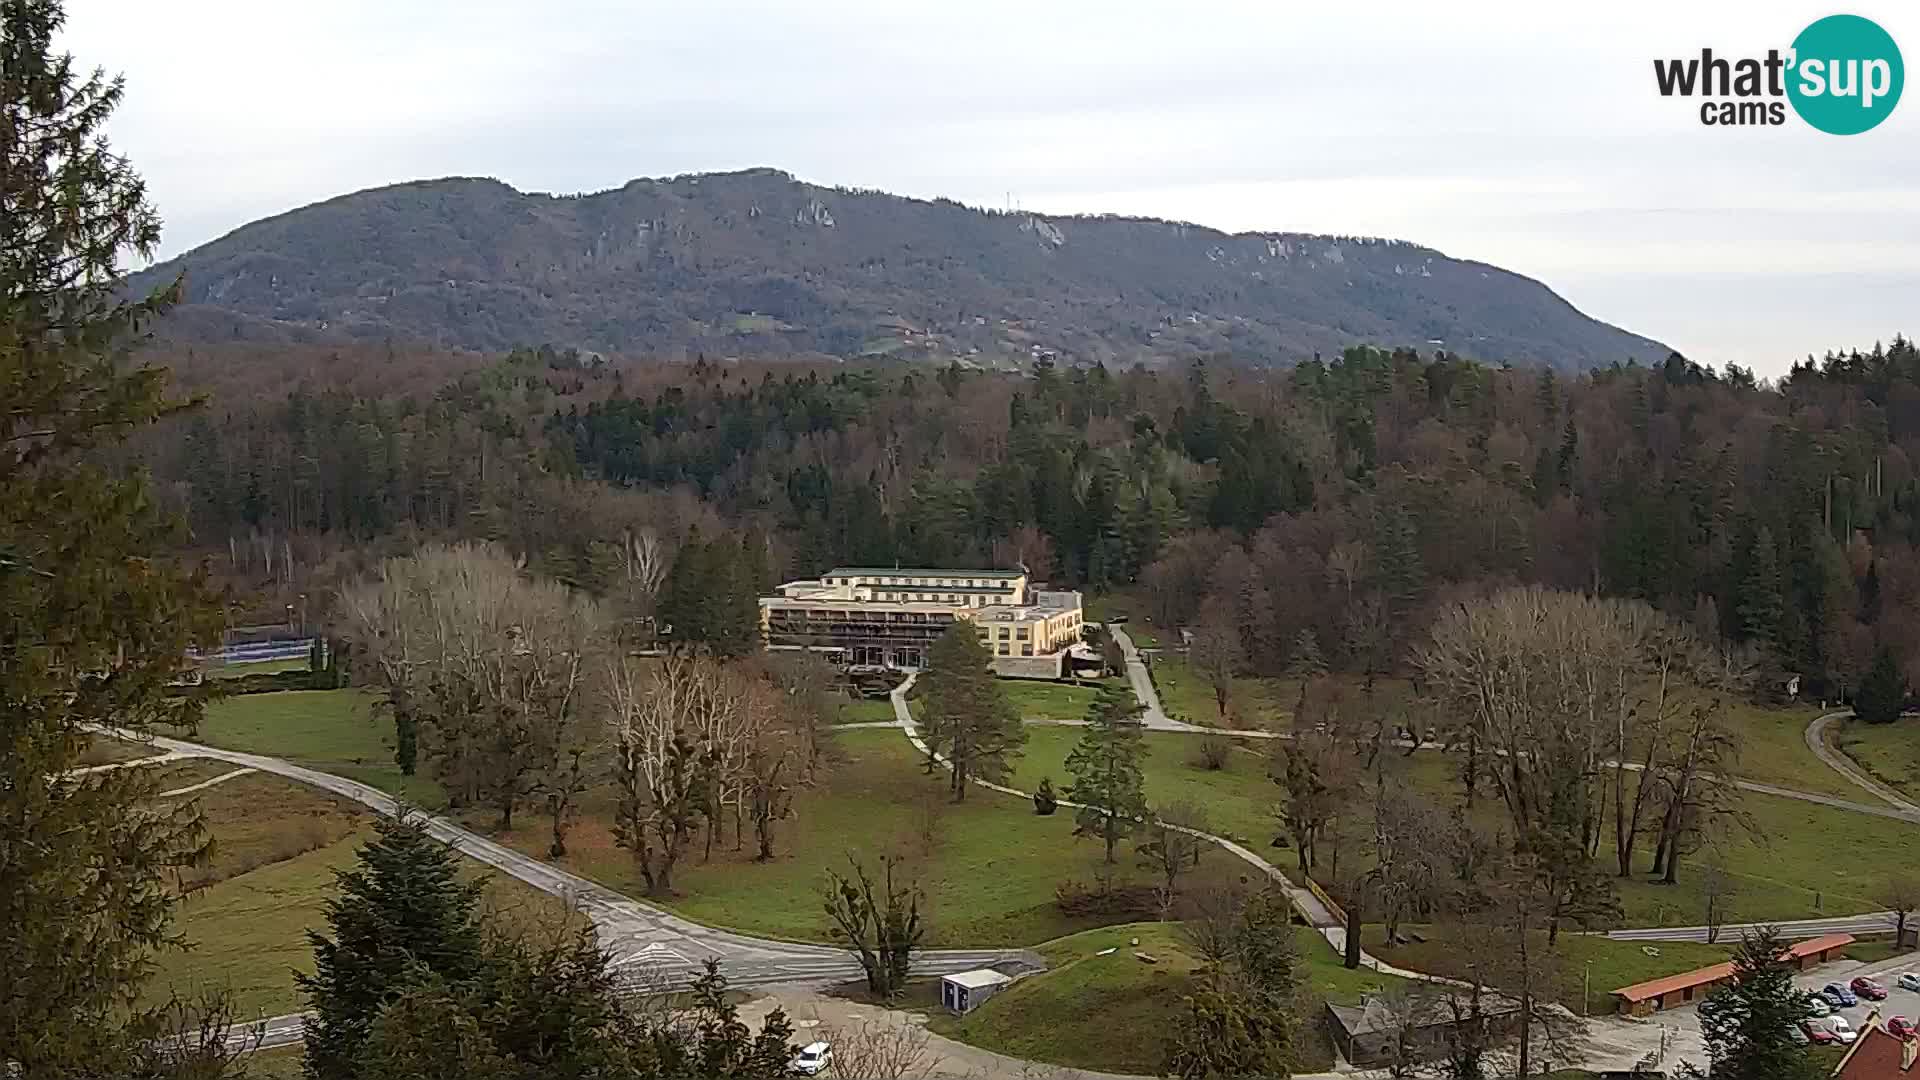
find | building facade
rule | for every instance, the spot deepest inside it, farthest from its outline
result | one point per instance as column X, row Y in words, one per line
column 875, row 617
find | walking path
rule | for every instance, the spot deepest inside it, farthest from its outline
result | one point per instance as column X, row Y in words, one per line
column 672, row 948
column 1311, row 908
column 667, row 950
column 204, row 784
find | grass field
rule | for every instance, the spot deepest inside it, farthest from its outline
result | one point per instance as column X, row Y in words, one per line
column 989, row 866
column 1238, row 799
column 184, row 772
column 1112, row 1013
column 1048, row 700
column 332, row 730
column 866, row 711
column 1773, row 750
column 247, row 934
column 1139, row 625
column 256, row 667
column 1888, row 752
column 1614, row 964
column 1800, row 860
column 105, row 750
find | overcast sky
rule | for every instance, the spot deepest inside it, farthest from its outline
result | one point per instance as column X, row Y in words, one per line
column 1500, row 132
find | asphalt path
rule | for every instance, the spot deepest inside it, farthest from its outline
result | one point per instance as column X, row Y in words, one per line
column 658, row 949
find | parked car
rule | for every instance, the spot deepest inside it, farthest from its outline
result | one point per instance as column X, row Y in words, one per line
column 1818, row 1034
column 1798, row 1034
column 1817, row 1006
column 1839, row 996
column 1868, row 989
column 1901, row 1027
column 1841, row 1029
column 814, row 1058
column 1909, row 980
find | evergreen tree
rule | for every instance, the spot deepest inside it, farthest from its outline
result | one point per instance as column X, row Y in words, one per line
column 1305, row 662
column 94, row 620
column 1105, row 766
column 968, row 718
column 403, row 915
column 1747, row 1023
column 1759, row 601
column 1883, row 693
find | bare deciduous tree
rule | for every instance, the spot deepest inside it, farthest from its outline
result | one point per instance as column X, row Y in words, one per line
column 888, row 1048
column 1216, row 654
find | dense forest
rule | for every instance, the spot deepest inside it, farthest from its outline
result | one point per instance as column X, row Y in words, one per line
column 1341, row 499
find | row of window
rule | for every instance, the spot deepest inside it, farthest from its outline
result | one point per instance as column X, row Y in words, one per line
column 944, row 582
column 1004, row 649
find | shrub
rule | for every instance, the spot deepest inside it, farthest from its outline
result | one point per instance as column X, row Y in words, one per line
column 1212, row 753
column 1075, row 899
column 1045, row 802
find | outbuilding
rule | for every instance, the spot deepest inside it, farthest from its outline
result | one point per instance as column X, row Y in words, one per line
column 965, row 991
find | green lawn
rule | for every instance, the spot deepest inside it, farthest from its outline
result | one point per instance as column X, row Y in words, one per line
column 1614, row 964
column 106, row 750
column 1112, row 1013
column 1100, row 607
column 989, row 866
column 256, row 667
column 1035, row 700
column 247, row 934
column 1799, row 862
column 1773, row 750
column 332, row 730
column 1238, row 799
column 1890, row 753
column 866, row 711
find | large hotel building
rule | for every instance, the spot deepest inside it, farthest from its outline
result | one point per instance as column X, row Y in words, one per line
column 888, row 618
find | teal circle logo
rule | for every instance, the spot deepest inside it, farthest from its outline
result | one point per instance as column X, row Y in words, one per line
column 1846, row 75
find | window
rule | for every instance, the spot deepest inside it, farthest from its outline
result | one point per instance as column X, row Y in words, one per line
column 1026, row 650
column 1021, row 633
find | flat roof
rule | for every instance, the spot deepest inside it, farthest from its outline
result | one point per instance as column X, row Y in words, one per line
column 974, row 980
column 1712, row 973
column 868, row 571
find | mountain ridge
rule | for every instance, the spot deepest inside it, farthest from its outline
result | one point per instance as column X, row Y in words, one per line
column 756, row 262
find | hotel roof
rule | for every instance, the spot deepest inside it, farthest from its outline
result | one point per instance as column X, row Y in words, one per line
column 896, row 571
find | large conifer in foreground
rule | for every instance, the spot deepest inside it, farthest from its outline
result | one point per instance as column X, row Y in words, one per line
column 402, row 917
column 94, row 623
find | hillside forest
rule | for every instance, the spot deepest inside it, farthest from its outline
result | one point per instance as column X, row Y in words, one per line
column 1331, row 507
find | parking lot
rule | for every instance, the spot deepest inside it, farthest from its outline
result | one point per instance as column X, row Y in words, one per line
column 1898, row 1003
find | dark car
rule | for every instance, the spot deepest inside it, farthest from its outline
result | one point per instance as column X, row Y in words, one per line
column 1868, row 989
column 1839, row 996
column 1900, row 1027
column 1819, row 1034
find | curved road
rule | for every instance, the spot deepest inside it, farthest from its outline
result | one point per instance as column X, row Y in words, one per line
column 665, row 950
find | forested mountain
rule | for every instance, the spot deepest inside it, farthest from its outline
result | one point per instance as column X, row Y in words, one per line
column 1339, row 501
column 757, row 263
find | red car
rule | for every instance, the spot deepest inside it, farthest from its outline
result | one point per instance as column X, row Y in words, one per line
column 1819, row 1035
column 1900, row 1027
column 1868, row 989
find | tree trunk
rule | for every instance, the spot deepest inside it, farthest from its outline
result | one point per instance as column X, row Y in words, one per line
column 1354, row 915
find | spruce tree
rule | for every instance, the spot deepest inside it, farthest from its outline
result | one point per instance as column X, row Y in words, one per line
column 1105, row 766
column 1748, row 1023
column 403, row 916
column 1883, row 693
column 93, row 624
column 968, row 718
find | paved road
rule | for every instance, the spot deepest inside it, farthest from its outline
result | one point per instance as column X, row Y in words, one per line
column 662, row 949
column 1838, row 762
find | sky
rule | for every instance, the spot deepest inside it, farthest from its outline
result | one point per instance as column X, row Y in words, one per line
column 1527, row 135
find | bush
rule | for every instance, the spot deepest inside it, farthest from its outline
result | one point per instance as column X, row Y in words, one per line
column 1128, row 901
column 1212, row 753
column 1045, row 802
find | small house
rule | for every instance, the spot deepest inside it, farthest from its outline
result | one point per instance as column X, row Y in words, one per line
column 965, row 991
